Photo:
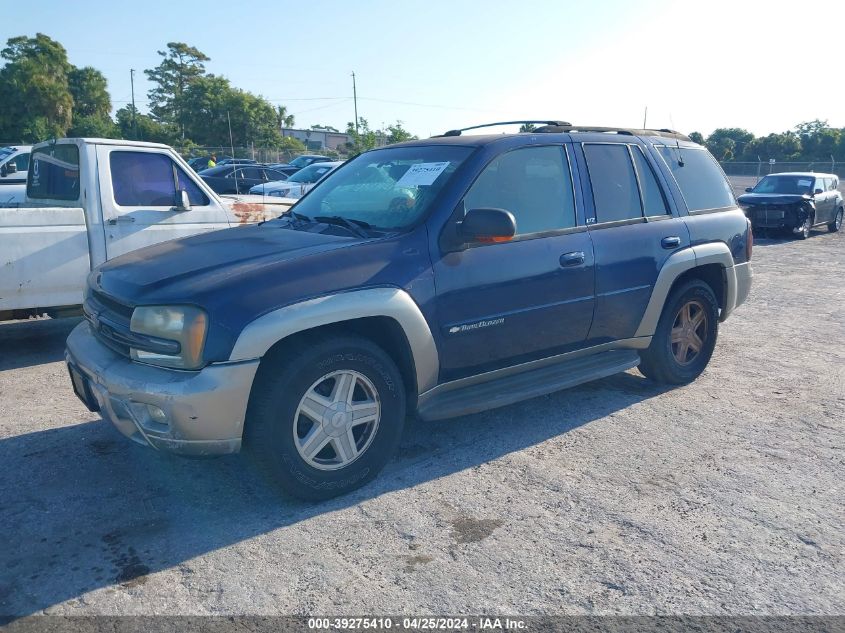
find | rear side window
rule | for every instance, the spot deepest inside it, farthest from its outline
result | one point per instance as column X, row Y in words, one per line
column 532, row 183
column 614, row 182
column 55, row 173
column 699, row 178
column 142, row 179
column 654, row 204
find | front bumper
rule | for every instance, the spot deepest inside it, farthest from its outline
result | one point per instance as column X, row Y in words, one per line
column 204, row 409
column 787, row 217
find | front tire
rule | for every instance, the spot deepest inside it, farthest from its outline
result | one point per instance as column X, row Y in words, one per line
column 685, row 336
column 804, row 231
column 834, row 226
column 325, row 415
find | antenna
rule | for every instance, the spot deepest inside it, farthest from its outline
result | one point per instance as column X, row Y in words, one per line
column 355, row 101
column 232, row 146
column 645, row 118
column 134, row 114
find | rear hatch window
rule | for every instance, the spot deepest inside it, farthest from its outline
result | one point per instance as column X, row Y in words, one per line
column 54, row 173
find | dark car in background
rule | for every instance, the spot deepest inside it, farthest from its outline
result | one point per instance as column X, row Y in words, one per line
column 239, row 178
column 794, row 202
column 299, row 162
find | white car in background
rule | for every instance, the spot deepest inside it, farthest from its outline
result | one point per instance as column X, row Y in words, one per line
column 299, row 183
column 14, row 161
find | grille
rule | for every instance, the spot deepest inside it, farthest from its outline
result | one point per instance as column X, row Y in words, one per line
column 109, row 319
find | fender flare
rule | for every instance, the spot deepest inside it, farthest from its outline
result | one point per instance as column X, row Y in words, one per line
column 677, row 264
column 267, row 330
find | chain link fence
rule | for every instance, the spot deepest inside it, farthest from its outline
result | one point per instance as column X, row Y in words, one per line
column 759, row 169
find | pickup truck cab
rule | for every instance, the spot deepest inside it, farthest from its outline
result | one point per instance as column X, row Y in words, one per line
column 435, row 278
column 89, row 200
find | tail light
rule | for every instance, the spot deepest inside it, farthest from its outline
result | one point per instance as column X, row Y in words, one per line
column 749, row 241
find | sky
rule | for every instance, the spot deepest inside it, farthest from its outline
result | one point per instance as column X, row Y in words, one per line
column 438, row 65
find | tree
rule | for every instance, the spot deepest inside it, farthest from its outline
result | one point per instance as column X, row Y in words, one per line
column 809, row 128
column 396, row 134
column 148, row 128
column 285, row 119
column 181, row 66
column 696, row 137
column 363, row 138
column 34, row 93
column 728, row 143
column 527, row 127
column 785, row 146
column 324, row 128
column 90, row 93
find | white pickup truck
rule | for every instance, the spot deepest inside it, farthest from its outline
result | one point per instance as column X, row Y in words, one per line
column 89, row 200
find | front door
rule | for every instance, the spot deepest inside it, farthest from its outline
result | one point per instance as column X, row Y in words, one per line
column 503, row 303
column 140, row 198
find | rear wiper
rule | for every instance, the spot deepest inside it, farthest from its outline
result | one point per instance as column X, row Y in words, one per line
column 355, row 226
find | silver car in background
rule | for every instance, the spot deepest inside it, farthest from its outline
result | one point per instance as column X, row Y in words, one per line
column 301, row 182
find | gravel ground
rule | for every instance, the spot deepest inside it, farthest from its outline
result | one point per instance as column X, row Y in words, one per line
column 618, row 497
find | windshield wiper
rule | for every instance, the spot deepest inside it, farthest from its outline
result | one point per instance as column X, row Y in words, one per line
column 358, row 227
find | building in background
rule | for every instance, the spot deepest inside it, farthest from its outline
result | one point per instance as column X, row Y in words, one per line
column 318, row 139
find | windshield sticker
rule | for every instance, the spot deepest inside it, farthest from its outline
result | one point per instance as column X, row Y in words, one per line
column 421, row 174
column 804, row 183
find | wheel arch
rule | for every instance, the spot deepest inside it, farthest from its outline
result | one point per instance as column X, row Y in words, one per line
column 387, row 316
column 711, row 262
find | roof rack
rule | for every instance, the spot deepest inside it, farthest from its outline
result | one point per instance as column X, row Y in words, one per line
column 557, row 129
column 546, row 123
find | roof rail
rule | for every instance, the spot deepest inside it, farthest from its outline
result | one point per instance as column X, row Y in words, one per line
column 553, row 129
column 546, row 123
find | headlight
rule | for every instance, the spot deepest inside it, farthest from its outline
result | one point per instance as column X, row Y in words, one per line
column 185, row 325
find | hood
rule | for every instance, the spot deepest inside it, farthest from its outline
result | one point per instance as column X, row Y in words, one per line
column 772, row 198
column 192, row 265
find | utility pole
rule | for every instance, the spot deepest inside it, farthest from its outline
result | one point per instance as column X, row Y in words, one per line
column 355, row 100
column 134, row 119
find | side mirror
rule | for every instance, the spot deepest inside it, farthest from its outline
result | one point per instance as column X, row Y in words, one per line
column 183, row 201
column 817, row 191
column 487, row 225
column 749, row 189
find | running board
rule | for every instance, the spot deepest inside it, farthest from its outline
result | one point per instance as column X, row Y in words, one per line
column 529, row 384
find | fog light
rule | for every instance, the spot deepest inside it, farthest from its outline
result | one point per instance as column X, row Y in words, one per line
column 156, row 414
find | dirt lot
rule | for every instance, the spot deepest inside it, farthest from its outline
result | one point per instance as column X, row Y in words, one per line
column 722, row 497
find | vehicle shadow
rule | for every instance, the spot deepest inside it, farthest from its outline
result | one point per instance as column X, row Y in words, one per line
column 84, row 508
column 34, row 342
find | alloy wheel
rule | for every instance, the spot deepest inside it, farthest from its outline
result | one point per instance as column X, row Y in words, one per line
column 689, row 332
column 336, row 420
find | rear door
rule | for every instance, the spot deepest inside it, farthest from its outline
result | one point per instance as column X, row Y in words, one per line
column 633, row 232
column 825, row 201
column 503, row 303
column 140, row 195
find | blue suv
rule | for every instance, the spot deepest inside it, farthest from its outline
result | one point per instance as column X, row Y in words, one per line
column 434, row 278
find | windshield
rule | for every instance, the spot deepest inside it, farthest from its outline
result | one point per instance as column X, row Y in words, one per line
column 312, row 173
column 388, row 188
column 785, row 184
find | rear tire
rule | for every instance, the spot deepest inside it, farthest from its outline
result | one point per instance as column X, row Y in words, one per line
column 325, row 415
column 685, row 336
column 834, row 226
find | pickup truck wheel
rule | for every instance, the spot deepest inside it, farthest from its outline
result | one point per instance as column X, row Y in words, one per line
column 325, row 416
column 685, row 336
column 834, row 226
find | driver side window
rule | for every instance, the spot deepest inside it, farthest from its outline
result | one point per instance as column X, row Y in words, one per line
column 142, row 179
column 532, row 183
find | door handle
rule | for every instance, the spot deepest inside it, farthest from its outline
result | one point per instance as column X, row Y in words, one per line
column 575, row 258
column 673, row 241
column 122, row 218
